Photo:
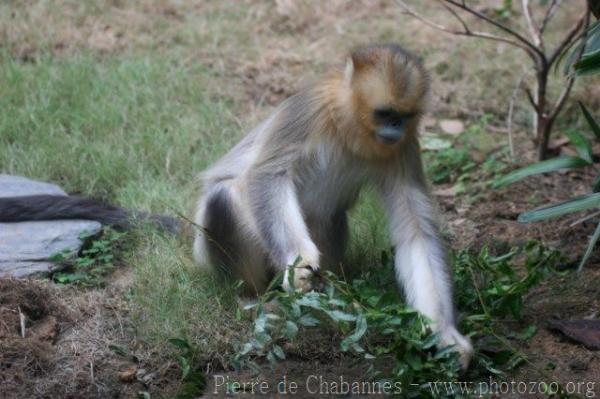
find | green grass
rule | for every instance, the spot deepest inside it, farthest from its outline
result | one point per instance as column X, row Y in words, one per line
column 134, row 131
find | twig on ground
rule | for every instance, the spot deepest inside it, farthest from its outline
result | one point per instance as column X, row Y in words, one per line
column 585, row 218
column 21, row 321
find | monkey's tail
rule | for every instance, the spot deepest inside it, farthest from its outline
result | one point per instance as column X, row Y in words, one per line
column 56, row 207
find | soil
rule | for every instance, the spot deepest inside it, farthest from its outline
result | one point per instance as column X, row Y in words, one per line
column 62, row 346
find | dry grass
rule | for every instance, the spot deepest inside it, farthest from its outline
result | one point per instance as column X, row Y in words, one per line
column 261, row 51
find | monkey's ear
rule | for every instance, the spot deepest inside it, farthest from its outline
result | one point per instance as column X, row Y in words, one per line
column 354, row 63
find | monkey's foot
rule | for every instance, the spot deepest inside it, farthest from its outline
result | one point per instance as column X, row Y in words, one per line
column 451, row 337
column 305, row 277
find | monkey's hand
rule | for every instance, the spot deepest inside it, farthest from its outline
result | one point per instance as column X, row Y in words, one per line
column 451, row 337
column 305, row 276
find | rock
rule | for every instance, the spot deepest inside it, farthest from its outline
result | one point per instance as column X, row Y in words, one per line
column 15, row 186
column 452, row 126
column 26, row 247
column 21, row 269
column 445, row 192
column 585, row 332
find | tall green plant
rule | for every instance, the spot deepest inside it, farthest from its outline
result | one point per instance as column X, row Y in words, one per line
column 583, row 59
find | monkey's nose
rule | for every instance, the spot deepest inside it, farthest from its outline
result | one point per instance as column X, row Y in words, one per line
column 389, row 134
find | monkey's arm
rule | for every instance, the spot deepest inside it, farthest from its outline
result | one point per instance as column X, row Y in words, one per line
column 420, row 260
column 278, row 216
column 275, row 208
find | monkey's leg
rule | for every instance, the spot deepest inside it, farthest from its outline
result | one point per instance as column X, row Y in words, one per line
column 331, row 237
column 226, row 241
column 281, row 226
column 420, row 262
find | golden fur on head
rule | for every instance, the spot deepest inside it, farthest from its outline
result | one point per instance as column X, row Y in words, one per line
column 376, row 77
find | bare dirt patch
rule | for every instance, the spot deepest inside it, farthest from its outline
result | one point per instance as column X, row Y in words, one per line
column 71, row 343
column 31, row 317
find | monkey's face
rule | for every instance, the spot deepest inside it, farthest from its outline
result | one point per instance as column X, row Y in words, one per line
column 389, row 90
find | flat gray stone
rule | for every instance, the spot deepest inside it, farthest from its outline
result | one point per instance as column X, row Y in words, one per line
column 26, row 247
column 25, row 269
column 15, row 186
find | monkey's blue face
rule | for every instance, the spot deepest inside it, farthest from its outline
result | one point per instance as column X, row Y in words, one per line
column 391, row 125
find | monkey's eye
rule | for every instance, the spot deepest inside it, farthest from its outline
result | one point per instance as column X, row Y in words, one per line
column 388, row 116
column 383, row 113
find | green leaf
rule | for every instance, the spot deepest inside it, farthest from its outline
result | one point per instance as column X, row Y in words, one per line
column 291, row 329
column 308, row 321
column 590, row 59
column 445, row 352
column 275, row 282
column 338, row 315
column 596, row 184
column 273, row 316
column 537, row 168
column 590, row 247
column 432, row 340
column 359, row 331
column 590, row 120
column 185, row 366
column 528, row 332
column 414, row 361
column 260, row 323
column 65, row 278
column 576, row 204
column 311, row 301
column 582, row 145
column 514, row 362
column 336, row 302
column 61, row 256
column 588, row 65
column 278, row 351
column 180, row 343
